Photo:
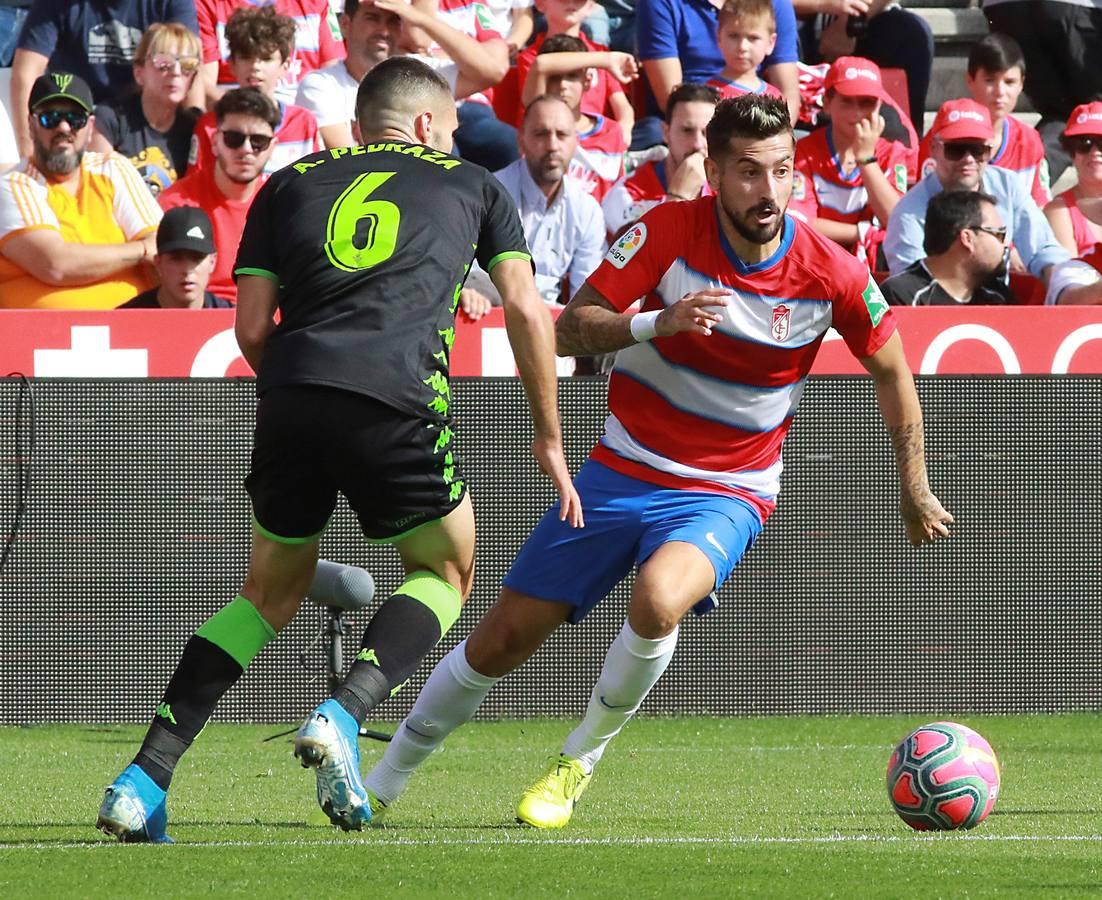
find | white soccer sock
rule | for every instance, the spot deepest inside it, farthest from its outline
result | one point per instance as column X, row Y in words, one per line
column 450, row 697
column 632, row 667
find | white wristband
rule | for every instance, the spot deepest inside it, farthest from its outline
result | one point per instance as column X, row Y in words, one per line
column 643, row 327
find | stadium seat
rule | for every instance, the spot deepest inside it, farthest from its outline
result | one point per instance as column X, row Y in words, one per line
column 895, row 83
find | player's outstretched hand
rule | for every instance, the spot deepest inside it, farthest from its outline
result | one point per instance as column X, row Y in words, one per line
column 926, row 519
column 553, row 463
column 697, row 312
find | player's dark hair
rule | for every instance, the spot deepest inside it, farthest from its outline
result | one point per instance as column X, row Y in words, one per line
column 563, row 43
column 247, row 102
column 390, row 92
column 948, row 214
column 258, row 32
column 690, row 93
column 751, row 116
column 996, row 53
column 748, row 9
column 350, row 7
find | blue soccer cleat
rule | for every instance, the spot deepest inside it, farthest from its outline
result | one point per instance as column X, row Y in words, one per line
column 327, row 743
column 133, row 809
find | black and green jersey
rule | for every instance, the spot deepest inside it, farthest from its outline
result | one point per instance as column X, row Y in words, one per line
column 371, row 246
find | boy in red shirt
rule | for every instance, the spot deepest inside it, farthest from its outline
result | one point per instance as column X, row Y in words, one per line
column 996, row 76
column 746, row 32
column 855, row 175
column 598, row 162
column 317, row 42
column 604, row 93
column 262, row 46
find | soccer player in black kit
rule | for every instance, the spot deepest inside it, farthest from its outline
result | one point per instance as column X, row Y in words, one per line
column 363, row 251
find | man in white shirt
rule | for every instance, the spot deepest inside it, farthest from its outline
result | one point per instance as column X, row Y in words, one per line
column 372, row 32
column 562, row 223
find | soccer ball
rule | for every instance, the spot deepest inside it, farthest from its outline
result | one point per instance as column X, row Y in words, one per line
column 943, row 776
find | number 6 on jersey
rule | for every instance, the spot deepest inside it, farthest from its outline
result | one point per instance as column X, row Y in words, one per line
column 379, row 232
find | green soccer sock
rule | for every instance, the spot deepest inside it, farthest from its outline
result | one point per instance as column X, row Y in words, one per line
column 406, row 627
column 212, row 661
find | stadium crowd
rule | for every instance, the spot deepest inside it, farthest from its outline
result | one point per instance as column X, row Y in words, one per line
column 591, row 114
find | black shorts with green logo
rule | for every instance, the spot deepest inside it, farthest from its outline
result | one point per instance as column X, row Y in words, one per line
column 396, row 471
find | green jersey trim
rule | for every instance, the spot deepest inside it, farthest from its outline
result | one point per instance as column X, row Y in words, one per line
column 263, row 273
column 508, row 254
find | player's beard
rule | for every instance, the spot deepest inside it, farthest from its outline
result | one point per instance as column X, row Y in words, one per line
column 745, row 224
column 62, row 161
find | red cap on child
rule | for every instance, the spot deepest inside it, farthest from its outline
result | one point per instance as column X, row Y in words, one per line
column 855, row 76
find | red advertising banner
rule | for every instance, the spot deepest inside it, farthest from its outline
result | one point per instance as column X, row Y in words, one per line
column 201, row 344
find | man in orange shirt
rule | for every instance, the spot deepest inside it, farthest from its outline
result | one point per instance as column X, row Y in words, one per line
column 75, row 227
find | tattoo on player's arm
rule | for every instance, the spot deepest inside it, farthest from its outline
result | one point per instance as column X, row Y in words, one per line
column 910, row 455
column 590, row 325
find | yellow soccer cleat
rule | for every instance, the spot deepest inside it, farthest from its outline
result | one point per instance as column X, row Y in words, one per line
column 549, row 803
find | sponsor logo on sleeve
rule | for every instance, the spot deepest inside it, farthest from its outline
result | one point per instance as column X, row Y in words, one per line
column 874, row 302
column 620, row 253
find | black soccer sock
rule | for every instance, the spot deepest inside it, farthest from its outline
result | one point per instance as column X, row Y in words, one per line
column 212, row 661
column 397, row 638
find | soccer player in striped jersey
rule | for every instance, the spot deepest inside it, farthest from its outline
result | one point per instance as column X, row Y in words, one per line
column 262, row 48
column 746, row 33
column 598, row 161
column 738, row 297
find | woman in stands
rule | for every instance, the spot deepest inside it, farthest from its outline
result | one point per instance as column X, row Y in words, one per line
column 152, row 126
column 1076, row 215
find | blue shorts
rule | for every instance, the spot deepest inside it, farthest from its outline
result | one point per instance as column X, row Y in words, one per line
column 626, row 520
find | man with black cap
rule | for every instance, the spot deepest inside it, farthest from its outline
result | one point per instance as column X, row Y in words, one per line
column 185, row 259
column 75, row 226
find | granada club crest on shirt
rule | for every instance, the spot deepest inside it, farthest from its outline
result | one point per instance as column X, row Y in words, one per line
column 782, row 323
column 620, row 253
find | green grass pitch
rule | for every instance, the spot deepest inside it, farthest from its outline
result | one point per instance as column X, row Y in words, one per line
column 770, row 807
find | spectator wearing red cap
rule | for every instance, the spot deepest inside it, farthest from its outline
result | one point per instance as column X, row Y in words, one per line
column 1076, row 215
column 961, row 142
column 856, row 174
column 996, row 73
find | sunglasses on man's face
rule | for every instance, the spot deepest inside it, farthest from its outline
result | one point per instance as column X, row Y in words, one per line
column 51, row 118
column 1082, row 145
column 234, row 139
column 997, row 232
column 955, row 152
column 165, row 62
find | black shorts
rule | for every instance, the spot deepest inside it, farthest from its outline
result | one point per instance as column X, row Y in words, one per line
column 396, row 471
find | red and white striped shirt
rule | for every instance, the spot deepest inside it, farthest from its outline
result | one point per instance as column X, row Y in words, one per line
column 711, row 412
column 598, row 161
column 317, row 38
column 729, row 89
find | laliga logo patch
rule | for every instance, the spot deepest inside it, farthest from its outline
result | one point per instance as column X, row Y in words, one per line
column 620, row 253
column 782, row 323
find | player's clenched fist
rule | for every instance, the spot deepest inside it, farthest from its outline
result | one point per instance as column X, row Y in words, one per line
column 697, row 312
column 926, row 519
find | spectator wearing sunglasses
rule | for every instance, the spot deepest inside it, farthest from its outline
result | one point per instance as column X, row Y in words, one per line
column 966, row 255
column 152, row 125
column 960, row 145
column 75, row 226
column 96, row 41
column 242, row 145
column 1076, row 215
column 262, row 47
